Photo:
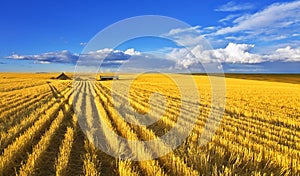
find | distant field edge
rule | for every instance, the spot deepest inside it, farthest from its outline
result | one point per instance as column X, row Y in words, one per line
column 273, row 77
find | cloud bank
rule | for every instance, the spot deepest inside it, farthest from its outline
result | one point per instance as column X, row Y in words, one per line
column 177, row 58
column 107, row 55
column 50, row 57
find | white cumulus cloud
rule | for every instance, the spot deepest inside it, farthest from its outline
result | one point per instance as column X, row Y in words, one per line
column 237, row 53
column 232, row 53
column 132, row 52
column 286, row 54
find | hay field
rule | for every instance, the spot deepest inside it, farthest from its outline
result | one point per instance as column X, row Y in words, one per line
column 259, row 133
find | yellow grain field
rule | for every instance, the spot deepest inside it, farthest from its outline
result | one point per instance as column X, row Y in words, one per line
column 259, row 133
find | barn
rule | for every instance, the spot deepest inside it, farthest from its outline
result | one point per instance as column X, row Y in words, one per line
column 104, row 78
column 63, row 76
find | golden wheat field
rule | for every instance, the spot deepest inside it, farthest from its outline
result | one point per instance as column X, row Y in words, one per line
column 259, row 133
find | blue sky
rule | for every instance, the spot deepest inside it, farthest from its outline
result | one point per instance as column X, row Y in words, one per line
column 248, row 36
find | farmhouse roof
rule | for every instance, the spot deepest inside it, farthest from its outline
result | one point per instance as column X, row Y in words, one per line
column 63, row 76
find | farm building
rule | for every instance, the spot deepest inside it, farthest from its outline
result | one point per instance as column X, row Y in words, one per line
column 104, row 78
column 63, row 76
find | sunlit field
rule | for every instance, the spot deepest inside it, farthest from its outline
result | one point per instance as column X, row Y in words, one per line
column 259, row 133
